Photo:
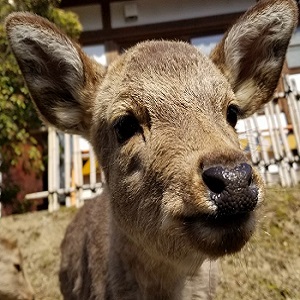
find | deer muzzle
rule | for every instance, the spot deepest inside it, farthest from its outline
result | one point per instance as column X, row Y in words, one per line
column 231, row 190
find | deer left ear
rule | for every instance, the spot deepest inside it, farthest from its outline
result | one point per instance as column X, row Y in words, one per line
column 252, row 52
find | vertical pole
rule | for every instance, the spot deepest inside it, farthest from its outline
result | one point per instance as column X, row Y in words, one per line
column 56, row 171
column 264, row 153
column 93, row 173
column 251, row 141
column 78, row 170
column 50, row 167
column 289, row 158
column 292, row 103
column 274, row 127
column 276, row 147
column 282, row 163
column 293, row 100
column 53, row 169
column 67, row 166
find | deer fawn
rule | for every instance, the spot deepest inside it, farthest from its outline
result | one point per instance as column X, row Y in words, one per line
column 13, row 281
column 161, row 120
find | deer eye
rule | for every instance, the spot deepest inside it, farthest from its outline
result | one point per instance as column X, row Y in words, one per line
column 232, row 115
column 126, row 127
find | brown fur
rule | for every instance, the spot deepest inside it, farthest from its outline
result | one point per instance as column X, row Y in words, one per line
column 13, row 282
column 160, row 217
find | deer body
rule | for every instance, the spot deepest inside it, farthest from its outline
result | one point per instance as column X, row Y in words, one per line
column 161, row 120
column 114, row 280
column 13, row 281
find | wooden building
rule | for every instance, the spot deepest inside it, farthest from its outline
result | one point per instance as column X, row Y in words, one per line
column 111, row 26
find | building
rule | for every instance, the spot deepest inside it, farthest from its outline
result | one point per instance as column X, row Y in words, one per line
column 111, row 26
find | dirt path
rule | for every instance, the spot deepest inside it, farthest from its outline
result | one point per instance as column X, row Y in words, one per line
column 267, row 269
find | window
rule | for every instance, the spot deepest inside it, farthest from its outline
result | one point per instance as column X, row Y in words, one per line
column 206, row 43
column 293, row 53
column 97, row 52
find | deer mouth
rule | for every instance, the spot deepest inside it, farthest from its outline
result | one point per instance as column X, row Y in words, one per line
column 218, row 235
column 218, row 221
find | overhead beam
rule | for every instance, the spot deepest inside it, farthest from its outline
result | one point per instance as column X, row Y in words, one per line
column 168, row 30
column 106, row 15
column 69, row 3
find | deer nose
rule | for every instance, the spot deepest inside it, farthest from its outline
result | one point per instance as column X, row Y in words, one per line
column 231, row 190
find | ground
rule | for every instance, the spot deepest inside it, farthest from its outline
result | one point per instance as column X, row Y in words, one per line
column 268, row 267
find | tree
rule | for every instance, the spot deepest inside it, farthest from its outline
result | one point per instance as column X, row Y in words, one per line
column 18, row 119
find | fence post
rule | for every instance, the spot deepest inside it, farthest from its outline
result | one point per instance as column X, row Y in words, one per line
column 251, row 141
column 288, row 157
column 67, row 167
column 53, row 169
column 265, row 160
column 77, row 159
column 292, row 104
column 278, row 155
column 93, row 171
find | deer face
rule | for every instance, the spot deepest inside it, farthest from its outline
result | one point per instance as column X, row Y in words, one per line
column 172, row 156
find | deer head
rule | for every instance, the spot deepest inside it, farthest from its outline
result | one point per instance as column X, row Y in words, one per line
column 161, row 119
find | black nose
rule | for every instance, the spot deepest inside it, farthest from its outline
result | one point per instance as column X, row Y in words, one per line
column 231, row 190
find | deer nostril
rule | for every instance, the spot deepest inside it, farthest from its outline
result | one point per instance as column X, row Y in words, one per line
column 213, row 180
column 218, row 178
column 245, row 172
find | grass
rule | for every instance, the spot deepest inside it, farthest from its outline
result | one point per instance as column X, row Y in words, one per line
column 267, row 268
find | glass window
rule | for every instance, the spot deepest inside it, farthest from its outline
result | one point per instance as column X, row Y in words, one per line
column 206, row 43
column 97, row 52
column 293, row 53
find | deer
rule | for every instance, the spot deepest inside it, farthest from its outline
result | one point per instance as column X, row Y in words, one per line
column 179, row 193
column 14, row 284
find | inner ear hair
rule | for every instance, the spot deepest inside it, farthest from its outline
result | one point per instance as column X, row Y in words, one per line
column 251, row 54
column 60, row 77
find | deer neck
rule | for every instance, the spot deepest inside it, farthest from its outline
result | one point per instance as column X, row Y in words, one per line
column 135, row 274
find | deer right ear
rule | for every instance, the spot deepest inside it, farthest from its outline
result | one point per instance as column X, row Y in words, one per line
column 60, row 77
column 252, row 52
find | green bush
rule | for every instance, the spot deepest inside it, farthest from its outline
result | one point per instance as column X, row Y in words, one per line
column 18, row 119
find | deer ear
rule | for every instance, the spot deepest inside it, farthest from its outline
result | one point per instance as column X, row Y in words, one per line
column 61, row 79
column 251, row 54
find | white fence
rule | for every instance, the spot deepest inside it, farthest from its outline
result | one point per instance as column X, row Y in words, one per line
column 275, row 149
column 270, row 139
column 69, row 180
